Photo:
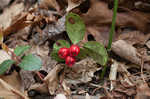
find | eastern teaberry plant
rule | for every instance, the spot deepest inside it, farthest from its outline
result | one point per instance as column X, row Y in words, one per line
column 28, row 62
column 63, row 52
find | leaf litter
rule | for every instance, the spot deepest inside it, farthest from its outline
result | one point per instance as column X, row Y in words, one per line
column 41, row 23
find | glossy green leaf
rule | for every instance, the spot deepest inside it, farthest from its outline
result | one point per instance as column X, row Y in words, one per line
column 31, row 62
column 97, row 51
column 54, row 55
column 5, row 65
column 21, row 49
column 83, row 53
column 61, row 43
column 75, row 27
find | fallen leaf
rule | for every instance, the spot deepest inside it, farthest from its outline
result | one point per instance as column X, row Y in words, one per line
column 9, row 13
column 81, row 72
column 52, row 79
column 99, row 14
column 133, row 37
column 72, row 4
column 143, row 91
column 126, row 51
column 50, row 3
column 4, row 56
column 11, row 89
column 148, row 44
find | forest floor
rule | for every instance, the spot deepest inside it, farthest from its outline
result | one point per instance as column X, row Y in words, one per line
column 40, row 23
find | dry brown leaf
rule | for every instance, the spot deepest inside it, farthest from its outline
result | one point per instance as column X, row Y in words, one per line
column 42, row 88
column 126, row 51
column 99, row 14
column 9, row 14
column 19, row 24
column 4, row 56
column 134, row 37
column 82, row 71
column 130, row 90
column 10, row 87
column 100, row 34
column 148, row 44
column 4, row 3
column 52, row 78
column 27, row 78
column 99, row 17
column 143, row 91
column 16, row 82
column 72, row 4
column 50, row 3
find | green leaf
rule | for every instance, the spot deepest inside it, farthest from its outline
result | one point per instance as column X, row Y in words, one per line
column 75, row 27
column 97, row 51
column 31, row 62
column 54, row 55
column 21, row 49
column 83, row 53
column 61, row 43
column 5, row 65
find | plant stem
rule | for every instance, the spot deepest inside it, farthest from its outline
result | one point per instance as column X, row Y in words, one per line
column 103, row 72
column 111, row 34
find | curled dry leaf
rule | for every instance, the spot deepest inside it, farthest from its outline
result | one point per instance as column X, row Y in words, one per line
column 52, row 79
column 82, row 72
column 42, row 88
column 148, row 44
column 126, row 51
column 8, row 15
column 72, row 4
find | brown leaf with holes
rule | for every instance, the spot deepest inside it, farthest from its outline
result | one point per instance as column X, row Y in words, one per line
column 99, row 14
column 99, row 17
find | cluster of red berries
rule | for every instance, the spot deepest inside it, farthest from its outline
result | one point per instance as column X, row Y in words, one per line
column 69, row 54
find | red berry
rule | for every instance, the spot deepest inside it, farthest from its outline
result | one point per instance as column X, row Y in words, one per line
column 70, row 61
column 74, row 50
column 63, row 52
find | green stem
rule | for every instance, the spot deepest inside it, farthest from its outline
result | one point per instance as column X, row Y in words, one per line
column 103, row 72
column 111, row 34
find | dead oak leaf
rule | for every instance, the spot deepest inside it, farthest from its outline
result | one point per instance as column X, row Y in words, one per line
column 99, row 14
